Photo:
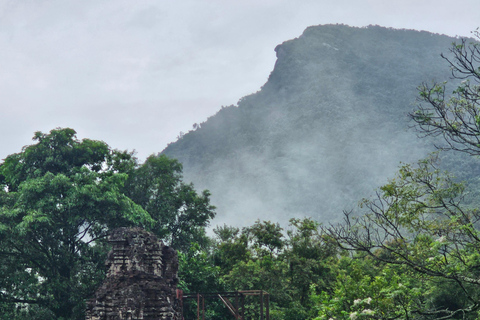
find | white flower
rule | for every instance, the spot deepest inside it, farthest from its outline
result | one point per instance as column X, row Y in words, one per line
column 353, row 315
column 368, row 311
column 356, row 301
column 368, row 300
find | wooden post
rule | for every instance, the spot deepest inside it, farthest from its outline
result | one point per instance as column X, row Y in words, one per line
column 198, row 306
column 268, row 306
column 261, row 305
column 236, row 306
column 243, row 306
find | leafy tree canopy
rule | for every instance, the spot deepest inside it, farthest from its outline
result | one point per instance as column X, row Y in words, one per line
column 179, row 213
column 58, row 200
column 419, row 230
column 455, row 116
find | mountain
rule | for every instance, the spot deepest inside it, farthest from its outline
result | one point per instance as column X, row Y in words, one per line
column 327, row 128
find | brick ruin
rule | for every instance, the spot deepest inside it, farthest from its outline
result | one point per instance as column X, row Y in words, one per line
column 141, row 280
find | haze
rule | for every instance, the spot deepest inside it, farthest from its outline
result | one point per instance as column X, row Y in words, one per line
column 136, row 74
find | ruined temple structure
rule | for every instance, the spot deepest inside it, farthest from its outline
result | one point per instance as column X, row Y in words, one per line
column 141, row 280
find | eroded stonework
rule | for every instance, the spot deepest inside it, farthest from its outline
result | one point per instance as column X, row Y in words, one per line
column 141, row 280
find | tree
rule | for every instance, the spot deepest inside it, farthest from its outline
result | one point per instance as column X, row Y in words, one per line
column 267, row 235
column 259, row 257
column 368, row 289
column 419, row 221
column 455, row 117
column 310, row 255
column 56, row 199
column 59, row 198
column 180, row 214
column 231, row 247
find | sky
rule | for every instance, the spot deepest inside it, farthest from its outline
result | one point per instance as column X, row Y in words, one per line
column 137, row 73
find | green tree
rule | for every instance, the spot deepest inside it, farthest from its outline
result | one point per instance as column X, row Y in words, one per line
column 231, row 247
column 251, row 259
column 367, row 289
column 310, row 255
column 455, row 116
column 58, row 200
column 197, row 273
column 180, row 214
column 267, row 236
column 418, row 222
column 261, row 257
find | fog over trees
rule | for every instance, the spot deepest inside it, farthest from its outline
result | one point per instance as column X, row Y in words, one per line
column 286, row 167
column 328, row 127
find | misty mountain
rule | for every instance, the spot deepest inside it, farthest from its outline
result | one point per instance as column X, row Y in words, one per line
column 328, row 127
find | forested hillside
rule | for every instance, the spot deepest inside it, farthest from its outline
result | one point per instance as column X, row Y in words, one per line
column 411, row 251
column 328, row 127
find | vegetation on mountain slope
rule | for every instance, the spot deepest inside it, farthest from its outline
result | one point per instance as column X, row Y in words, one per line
column 410, row 252
column 58, row 200
column 335, row 105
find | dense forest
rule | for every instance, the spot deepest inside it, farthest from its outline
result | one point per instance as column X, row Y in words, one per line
column 328, row 127
column 411, row 251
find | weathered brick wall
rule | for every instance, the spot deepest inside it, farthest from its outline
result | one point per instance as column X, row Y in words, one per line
column 141, row 280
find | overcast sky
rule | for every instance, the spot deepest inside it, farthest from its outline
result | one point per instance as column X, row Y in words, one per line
column 136, row 73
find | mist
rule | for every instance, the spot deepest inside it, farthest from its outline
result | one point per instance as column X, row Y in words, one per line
column 136, row 74
column 327, row 129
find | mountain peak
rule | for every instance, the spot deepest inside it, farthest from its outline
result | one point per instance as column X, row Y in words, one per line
column 327, row 127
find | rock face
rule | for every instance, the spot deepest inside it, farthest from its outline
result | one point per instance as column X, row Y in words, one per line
column 141, row 280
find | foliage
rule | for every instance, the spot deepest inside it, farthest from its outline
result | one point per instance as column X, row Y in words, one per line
column 368, row 289
column 419, row 231
column 231, row 247
column 413, row 254
column 263, row 257
column 455, row 117
column 327, row 127
column 197, row 273
column 417, row 222
column 179, row 213
column 58, row 200
column 311, row 252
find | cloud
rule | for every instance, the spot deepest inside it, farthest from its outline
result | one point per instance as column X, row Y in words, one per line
column 173, row 63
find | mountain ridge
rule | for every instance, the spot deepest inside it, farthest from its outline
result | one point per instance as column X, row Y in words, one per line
column 326, row 129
